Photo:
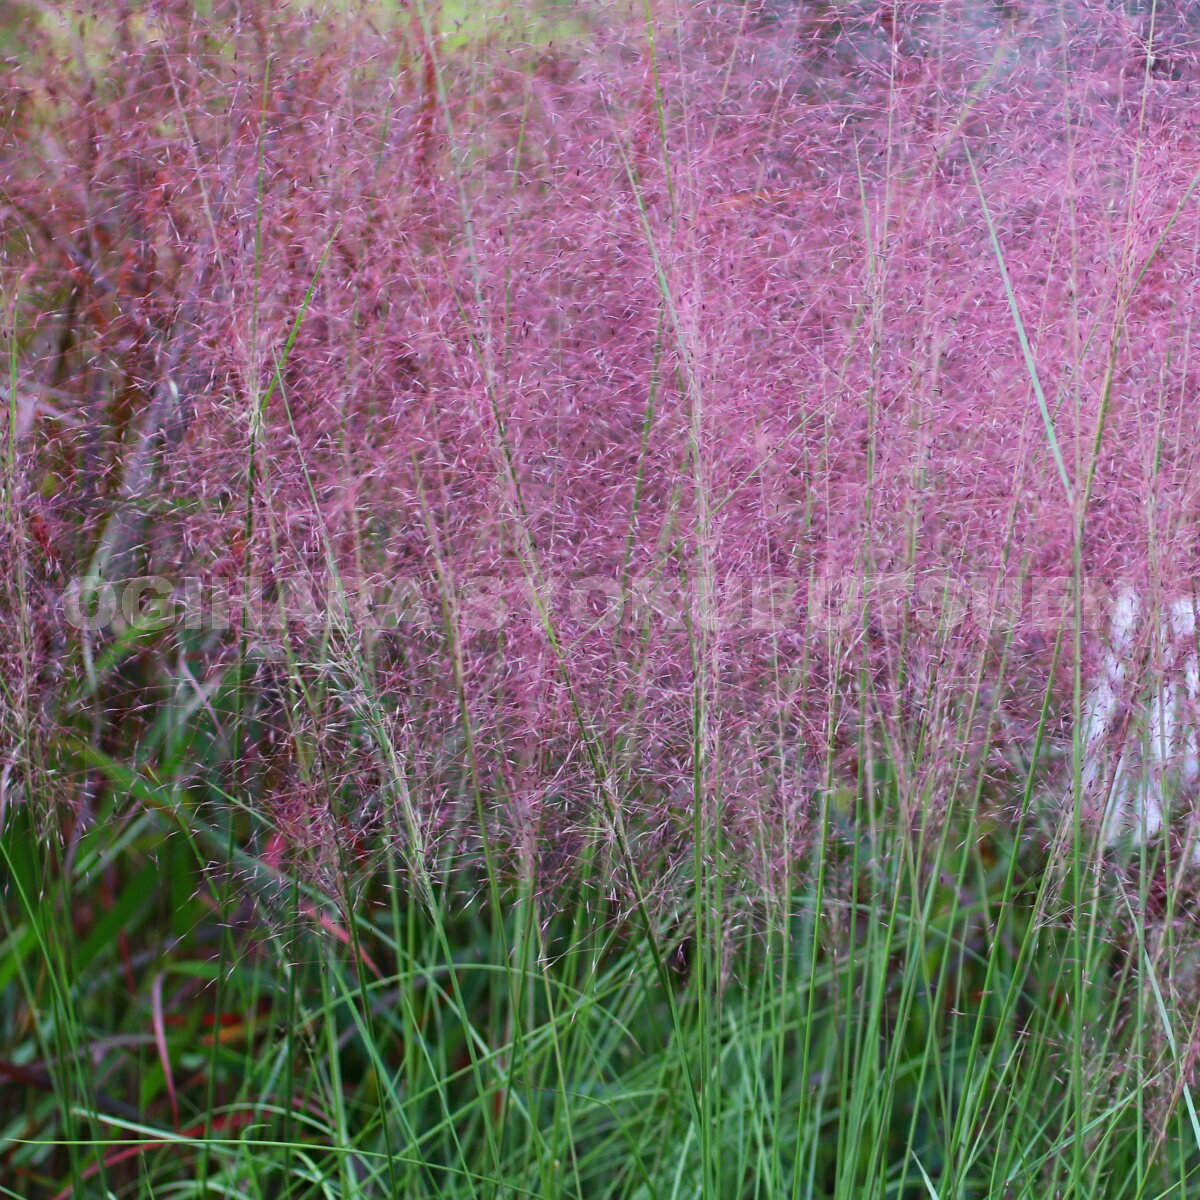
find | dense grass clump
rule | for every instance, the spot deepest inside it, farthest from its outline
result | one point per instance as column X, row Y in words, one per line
column 599, row 602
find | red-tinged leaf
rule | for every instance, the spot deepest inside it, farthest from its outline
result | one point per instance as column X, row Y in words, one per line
column 160, row 1041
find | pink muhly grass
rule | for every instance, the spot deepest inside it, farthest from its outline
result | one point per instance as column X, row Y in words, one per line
column 762, row 348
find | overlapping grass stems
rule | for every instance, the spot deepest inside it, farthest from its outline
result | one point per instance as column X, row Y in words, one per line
column 643, row 490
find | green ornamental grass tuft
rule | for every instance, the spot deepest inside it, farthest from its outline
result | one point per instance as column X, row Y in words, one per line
column 599, row 600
